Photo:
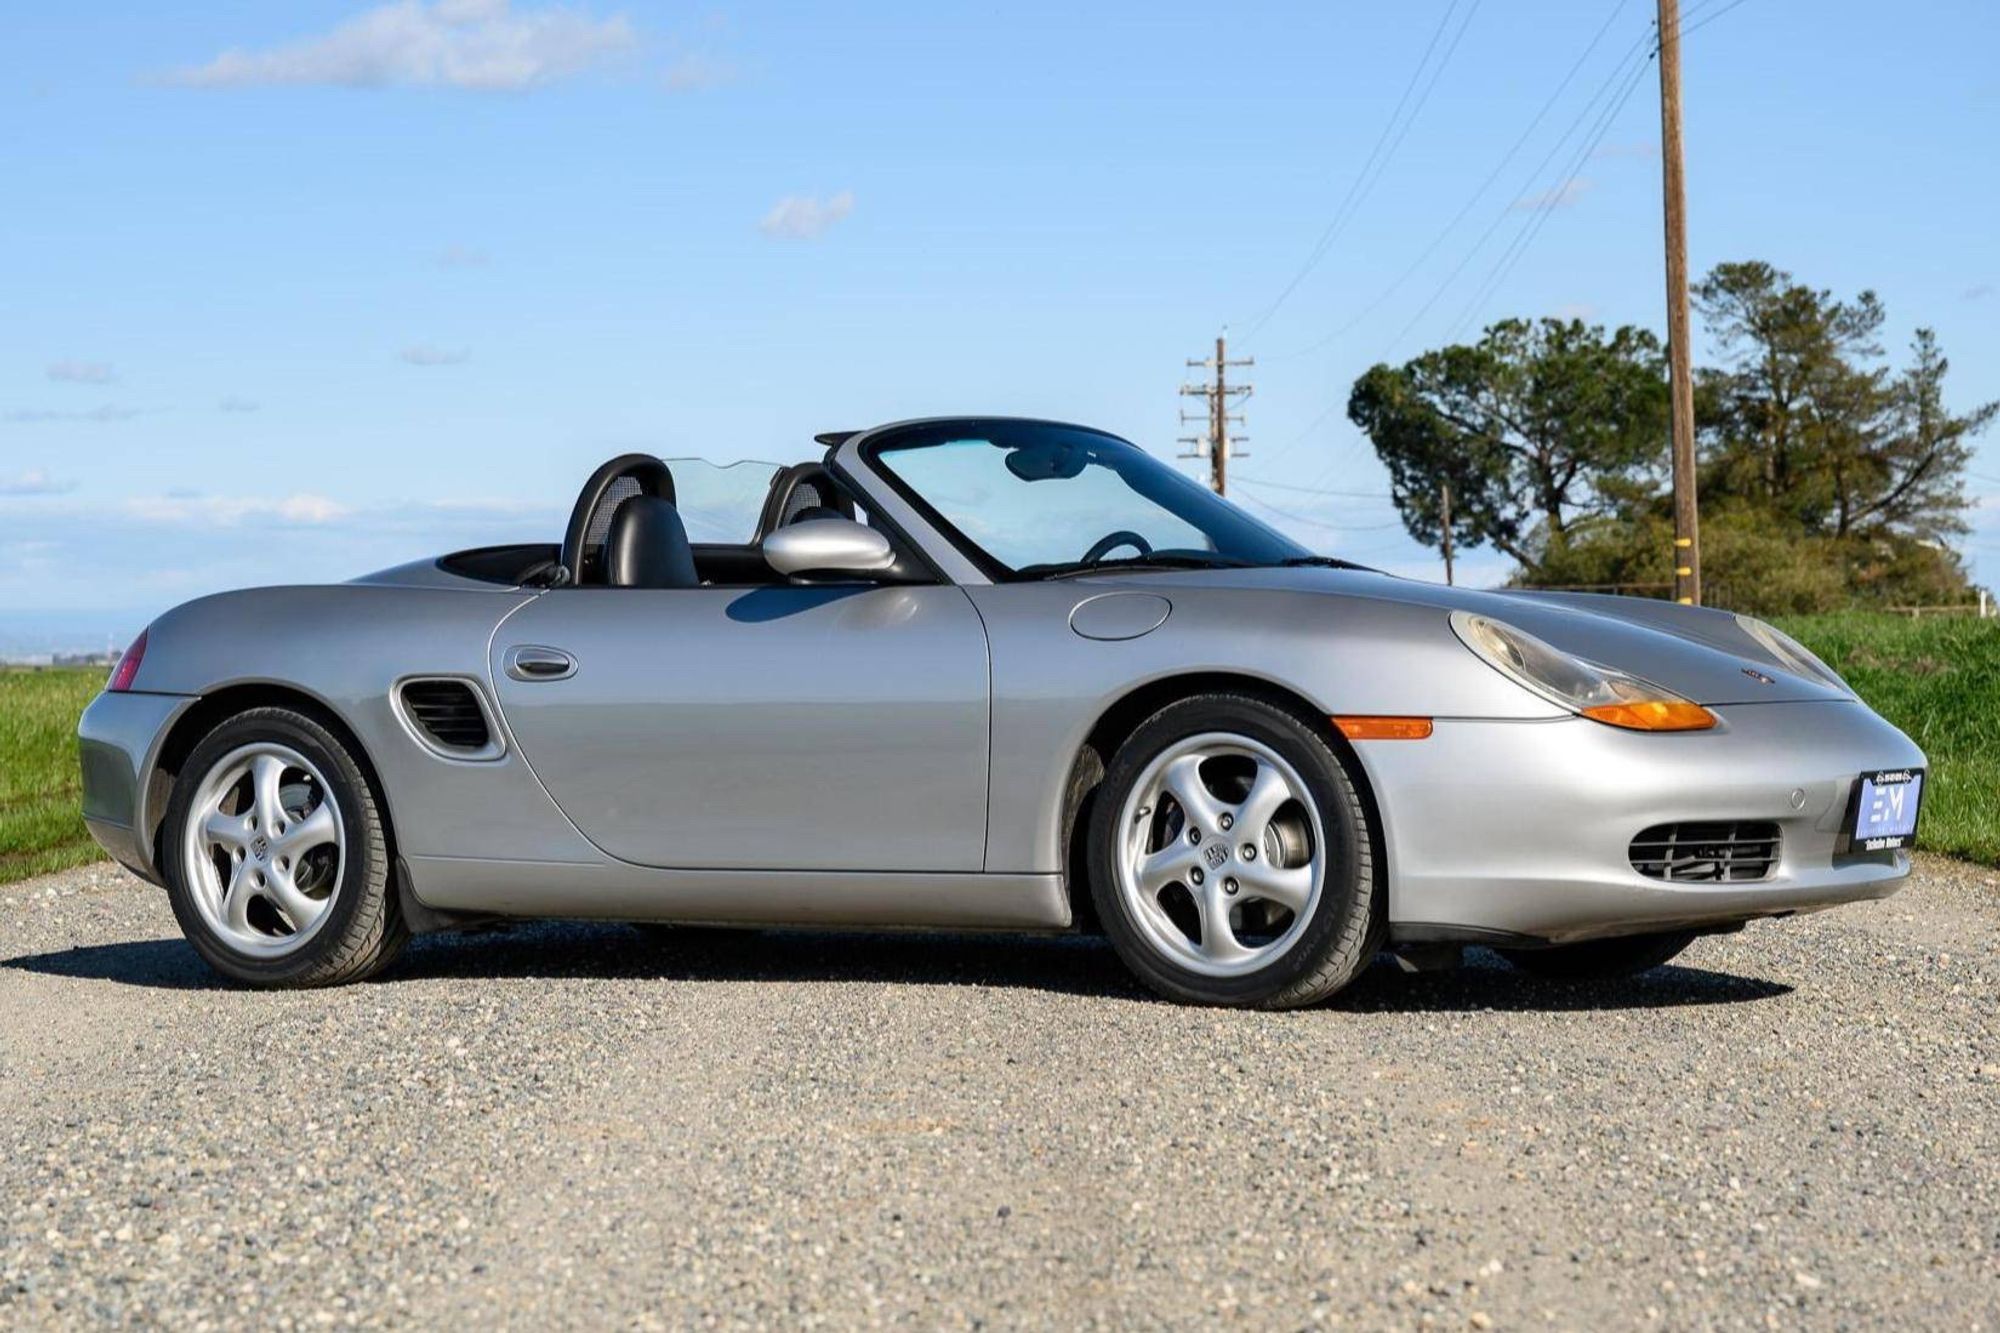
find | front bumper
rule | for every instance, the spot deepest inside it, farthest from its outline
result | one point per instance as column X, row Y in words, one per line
column 124, row 795
column 1521, row 830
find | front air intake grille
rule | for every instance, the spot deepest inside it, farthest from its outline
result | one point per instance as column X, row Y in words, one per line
column 1707, row 853
column 448, row 712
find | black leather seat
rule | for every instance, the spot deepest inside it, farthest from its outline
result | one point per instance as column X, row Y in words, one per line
column 647, row 546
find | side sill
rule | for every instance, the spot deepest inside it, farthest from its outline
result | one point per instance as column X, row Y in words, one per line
column 1431, row 932
column 450, row 887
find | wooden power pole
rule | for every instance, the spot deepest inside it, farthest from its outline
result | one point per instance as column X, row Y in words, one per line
column 1444, row 509
column 1214, row 443
column 1680, row 364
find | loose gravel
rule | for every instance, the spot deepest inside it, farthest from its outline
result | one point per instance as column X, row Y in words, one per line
column 586, row 1126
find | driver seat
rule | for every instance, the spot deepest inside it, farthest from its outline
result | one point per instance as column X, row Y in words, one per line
column 647, row 546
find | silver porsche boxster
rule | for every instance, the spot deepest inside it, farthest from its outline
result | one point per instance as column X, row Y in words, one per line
column 981, row 673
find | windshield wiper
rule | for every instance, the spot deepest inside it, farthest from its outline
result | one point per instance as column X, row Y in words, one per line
column 1320, row 562
column 1155, row 560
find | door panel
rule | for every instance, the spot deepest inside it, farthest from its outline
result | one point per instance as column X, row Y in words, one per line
column 786, row 728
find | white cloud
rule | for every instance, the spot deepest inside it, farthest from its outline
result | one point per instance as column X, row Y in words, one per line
column 1979, row 291
column 482, row 45
column 802, row 217
column 26, row 416
column 1582, row 310
column 1563, row 196
column 234, row 404
column 34, row 482
column 425, row 355
column 81, row 372
column 232, row 510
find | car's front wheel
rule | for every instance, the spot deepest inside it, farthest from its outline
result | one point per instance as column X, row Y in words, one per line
column 277, row 857
column 1230, row 857
column 1601, row 960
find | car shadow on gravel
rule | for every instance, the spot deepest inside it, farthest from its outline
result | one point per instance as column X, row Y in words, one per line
column 1067, row 965
column 1488, row 982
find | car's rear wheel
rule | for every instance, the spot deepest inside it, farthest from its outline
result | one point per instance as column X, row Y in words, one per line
column 1230, row 857
column 1600, row 960
column 277, row 857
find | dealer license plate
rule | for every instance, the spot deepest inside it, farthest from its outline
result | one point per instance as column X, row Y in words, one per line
column 1883, row 813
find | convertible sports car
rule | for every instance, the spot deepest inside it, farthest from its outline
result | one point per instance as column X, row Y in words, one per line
column 981, row 673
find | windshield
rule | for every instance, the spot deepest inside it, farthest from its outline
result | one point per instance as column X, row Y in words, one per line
column 1036, row 500
column 720, row 503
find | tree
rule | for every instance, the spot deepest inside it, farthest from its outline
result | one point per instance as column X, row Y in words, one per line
column 1915, row 481
column 1539, row 428
column 1827, row 476
column 1803, row 418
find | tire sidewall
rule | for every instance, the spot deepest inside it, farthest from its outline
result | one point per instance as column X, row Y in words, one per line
column 1347, row 889
column 361, row 859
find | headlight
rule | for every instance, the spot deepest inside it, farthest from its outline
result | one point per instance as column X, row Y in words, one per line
column 1600, row 693
column 1794, row 656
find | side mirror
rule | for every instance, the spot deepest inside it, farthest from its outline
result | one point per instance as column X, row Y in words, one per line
column 828, row 546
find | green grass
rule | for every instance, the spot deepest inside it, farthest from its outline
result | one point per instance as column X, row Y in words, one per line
column 41, row 828
column 1939, row 680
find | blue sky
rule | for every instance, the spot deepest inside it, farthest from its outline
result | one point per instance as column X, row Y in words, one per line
column 290, row 292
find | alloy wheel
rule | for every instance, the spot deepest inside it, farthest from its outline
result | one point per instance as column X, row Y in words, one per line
column 1222, row 854
column 265, row 846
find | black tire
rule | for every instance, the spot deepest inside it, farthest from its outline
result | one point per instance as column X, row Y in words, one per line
column 363, row 930
column 1601, row 960
column 1346, row 924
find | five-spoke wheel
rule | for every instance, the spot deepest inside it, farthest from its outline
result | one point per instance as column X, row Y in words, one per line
column 1231, row 856
column 1222, row 859
column 264, row 848
column 277, row 858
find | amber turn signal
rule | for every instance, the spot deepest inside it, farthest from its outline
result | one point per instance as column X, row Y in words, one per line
column 1384, row 728
column 1653, row 715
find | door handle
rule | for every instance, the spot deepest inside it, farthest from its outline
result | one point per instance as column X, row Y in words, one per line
column 532, row 663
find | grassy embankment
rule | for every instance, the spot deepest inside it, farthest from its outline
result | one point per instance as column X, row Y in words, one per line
column 40, row 829
column 1939, row 680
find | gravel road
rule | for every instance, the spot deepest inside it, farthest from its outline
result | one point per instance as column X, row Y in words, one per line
column 583, row 1126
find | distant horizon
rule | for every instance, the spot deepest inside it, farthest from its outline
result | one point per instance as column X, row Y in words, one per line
column 35, row 633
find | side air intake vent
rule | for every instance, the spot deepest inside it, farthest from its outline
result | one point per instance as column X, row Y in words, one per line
column 1711, row 853
column 448, row 714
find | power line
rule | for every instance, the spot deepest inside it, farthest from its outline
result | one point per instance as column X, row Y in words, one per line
column 1465, row 260
column 1322, row 523
column 1687, row 27
column 1513, row 151
column 1553, row 197
column 1628, row 69
column 1471, row 202
column 1549, row 202
column 1312, row 490
column 1363, row 182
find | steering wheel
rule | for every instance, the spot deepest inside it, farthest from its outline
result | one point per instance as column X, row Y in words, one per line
column 1111, row 541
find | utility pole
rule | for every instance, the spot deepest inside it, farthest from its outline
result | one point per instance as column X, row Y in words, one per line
column 1444, row 507
column 1680, row 366
column 1214, row 443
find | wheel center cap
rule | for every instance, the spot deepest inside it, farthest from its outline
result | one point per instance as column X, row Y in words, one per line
column 1215, row 854
column 260, row 847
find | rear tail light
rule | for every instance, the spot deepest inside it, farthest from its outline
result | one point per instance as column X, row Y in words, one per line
column 128, row 666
